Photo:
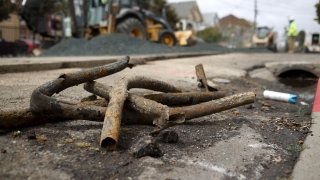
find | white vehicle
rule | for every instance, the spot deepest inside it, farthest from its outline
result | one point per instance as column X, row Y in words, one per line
column 312, row 42
column 265, row 37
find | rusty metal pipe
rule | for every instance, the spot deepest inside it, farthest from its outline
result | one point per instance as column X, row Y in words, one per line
column 42, row 103
column 215, row 106
column 118, row 95
column 201, row 76
column 188, row 98
column 13, row 119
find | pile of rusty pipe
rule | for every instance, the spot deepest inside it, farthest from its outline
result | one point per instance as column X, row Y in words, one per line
column 138, row 106
column 169, row 99
column 119, row 94
column 25, row 117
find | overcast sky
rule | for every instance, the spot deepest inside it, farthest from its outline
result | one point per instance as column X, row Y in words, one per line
column 272, row 13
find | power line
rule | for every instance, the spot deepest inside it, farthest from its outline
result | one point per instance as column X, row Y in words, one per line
column 265, row 4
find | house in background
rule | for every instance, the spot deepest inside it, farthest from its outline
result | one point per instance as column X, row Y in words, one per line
column 238, row 31
column 10, row 28
column 209, row 20
column 189, row 11
column 14, row 29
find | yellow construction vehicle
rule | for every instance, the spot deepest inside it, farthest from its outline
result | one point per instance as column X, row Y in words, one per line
column 264, row 37
column 185, row 33
column 90, row 18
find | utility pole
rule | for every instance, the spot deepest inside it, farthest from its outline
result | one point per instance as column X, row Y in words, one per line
column 255, row 19
column 255, row 13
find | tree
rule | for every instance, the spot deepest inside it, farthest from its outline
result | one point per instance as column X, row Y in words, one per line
column 210, row 34
column 34, row 13
column 172, row 16
column 318, row 12
column 157, row 7
column 6, row 7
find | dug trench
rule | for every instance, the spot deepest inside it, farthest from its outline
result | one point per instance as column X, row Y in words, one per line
column 70, row 150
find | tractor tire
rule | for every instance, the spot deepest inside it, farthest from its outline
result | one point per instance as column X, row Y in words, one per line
column 167, row 38
column 133, row 27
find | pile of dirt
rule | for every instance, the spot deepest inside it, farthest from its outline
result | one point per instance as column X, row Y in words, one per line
column 119, row 44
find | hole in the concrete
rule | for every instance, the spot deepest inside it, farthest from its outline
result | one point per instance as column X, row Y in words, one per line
column 298, row 78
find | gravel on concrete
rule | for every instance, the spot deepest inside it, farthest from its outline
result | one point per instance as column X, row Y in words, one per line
column 119, row 44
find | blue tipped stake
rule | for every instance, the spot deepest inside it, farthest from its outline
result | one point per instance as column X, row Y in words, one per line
column 292, row 99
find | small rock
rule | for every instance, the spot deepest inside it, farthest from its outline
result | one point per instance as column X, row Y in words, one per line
column 236, row 112
column 266, row 104
column 41, row 138
column 250, row 106
column 152, row 161
column 301, row 142
column 277, row 159
column 83, row 144
column 221, row 80
column 146, row 146
column 16, row 133
column 233, row 128
column 3, row 151
column 265, row 165
column 265, row 109
column 68, row 141
column 89, row 98
column 94, row 149
column 32, row 136
column 169, row 137
column 40, row 148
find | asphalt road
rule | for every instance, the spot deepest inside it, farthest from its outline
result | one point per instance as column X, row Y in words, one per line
column 245, row 143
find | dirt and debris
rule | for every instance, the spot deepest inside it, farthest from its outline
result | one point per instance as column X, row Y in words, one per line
column 146, row 146
column 276, row 135
column 169, row 136
column 195, row 136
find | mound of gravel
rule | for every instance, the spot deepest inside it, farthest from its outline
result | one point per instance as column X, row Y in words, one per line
column 119, row 44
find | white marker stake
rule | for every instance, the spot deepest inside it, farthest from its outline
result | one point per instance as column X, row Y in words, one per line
column 291, row 98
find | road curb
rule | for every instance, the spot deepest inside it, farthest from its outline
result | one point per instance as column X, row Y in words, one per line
column 51, row 63
column 308, row 165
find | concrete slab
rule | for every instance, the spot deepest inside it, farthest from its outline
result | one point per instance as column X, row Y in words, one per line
column 308, row 165
column 225, row 153
column 226, row 160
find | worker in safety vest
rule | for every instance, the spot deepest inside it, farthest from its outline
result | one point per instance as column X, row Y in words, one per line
column 105, row 4
column 104, row 1
column 292, row 35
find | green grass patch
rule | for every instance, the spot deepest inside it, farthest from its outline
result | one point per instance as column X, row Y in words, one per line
column 296, row 147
